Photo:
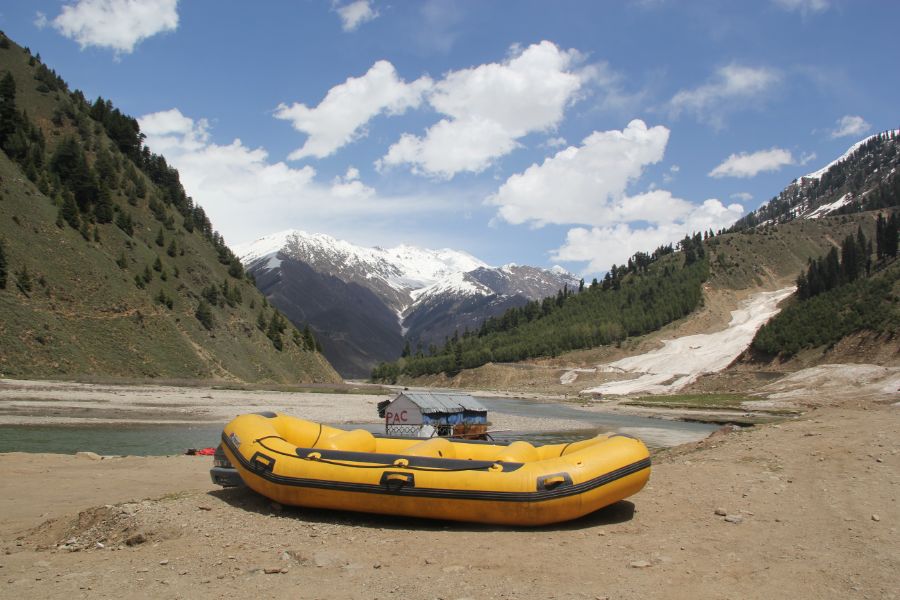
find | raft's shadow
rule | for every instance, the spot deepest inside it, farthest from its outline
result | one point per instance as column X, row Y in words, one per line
column 246, row 499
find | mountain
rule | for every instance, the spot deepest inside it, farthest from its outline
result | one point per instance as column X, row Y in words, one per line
column 107, row 267
column 835, row 212
column 864, row 178
column 365, row 304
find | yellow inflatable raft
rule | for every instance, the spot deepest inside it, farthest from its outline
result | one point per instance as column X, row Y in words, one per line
column 301, row 463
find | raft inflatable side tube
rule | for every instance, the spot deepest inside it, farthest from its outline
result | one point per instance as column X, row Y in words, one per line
column 302, row 463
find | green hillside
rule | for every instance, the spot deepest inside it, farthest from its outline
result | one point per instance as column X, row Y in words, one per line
column 640, row 297
column 111, row 270
column 839, row 294
column 650, row 291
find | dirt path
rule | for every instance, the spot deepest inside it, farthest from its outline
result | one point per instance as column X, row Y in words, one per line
column 810, row 511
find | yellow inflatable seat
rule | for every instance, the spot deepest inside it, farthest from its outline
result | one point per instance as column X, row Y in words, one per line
column 434, row 447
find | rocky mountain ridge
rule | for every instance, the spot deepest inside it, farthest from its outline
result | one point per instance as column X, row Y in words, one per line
column 403, row 294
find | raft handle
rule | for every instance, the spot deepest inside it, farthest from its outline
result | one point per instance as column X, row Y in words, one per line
column 551, row 482
column 261, row 462
column 396, row 481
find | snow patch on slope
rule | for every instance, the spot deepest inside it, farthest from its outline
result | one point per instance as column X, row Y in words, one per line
column 827, row 208
column 682, row 360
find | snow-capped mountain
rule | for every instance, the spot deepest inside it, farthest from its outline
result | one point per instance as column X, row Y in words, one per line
column 363, row 302
column 849, row 182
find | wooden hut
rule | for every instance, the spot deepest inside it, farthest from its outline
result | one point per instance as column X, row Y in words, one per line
column 423, row 414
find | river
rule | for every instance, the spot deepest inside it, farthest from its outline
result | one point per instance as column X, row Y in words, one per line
column 153, row 439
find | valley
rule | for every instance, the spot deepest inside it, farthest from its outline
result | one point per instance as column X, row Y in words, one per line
column 753, row 346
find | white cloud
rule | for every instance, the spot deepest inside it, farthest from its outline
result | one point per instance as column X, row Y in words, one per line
column 555, row 142
column 803, row 6
column 742, row 196
column 489, row 107
column 807, row 157
column 355, row 14
column 341, row 116
column 850, row 125
column 732, row 87
column 246, row 195
column 40, row 20
column 601, row 247
column 587, row 184
column 749, row 165
column 115, row 24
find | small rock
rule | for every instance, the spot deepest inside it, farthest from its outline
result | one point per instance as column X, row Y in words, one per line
column 164, row 561
column 134, row 540
column 272, row 571
column 205, row 580
column 376, row 566
column 204, row 508
column 143, row 570
column 99, row 545
column 721, row 512
column 639, row 564
column 876, row 518
column 88, row 455
column 734, row 519
column 453, row 569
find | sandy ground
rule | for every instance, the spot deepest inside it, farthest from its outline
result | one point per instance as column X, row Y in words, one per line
column 810, row 510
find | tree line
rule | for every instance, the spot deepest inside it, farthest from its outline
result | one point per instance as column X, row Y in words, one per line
column 650, row 291
column 840, row 293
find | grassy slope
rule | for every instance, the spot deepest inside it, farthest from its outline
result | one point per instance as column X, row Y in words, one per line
column 774, row 256
column 89, row 318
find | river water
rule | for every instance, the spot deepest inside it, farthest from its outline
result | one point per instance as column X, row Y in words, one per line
column 150, row 440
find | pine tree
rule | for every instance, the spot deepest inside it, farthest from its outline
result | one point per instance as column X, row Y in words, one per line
column 160, row 238
column 103, row 206
column 172, row 250
column 8, row 116
column 3, row 265
column 23, row 280
column 69, row 211
column 125, row 223
column 204, row 315
column 890, row 236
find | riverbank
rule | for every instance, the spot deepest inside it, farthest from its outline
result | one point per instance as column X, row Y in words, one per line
column 810, row 510
column 94, row 405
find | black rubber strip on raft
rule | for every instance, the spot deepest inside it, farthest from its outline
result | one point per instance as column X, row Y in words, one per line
column 486, row 495
column 448, row 464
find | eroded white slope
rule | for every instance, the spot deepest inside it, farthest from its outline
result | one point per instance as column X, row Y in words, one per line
column 682, row 360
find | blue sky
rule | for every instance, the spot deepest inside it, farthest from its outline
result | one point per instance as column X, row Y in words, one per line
column 572, row 133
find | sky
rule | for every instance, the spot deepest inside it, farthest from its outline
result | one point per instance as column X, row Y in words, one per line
column 544, row 133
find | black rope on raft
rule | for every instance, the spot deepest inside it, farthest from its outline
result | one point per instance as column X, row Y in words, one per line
column 358, row 466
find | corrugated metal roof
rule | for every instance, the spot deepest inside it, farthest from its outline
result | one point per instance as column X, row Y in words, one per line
column 443, row 402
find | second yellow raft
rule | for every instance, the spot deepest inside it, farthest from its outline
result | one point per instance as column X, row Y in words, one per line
column 302, row 463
